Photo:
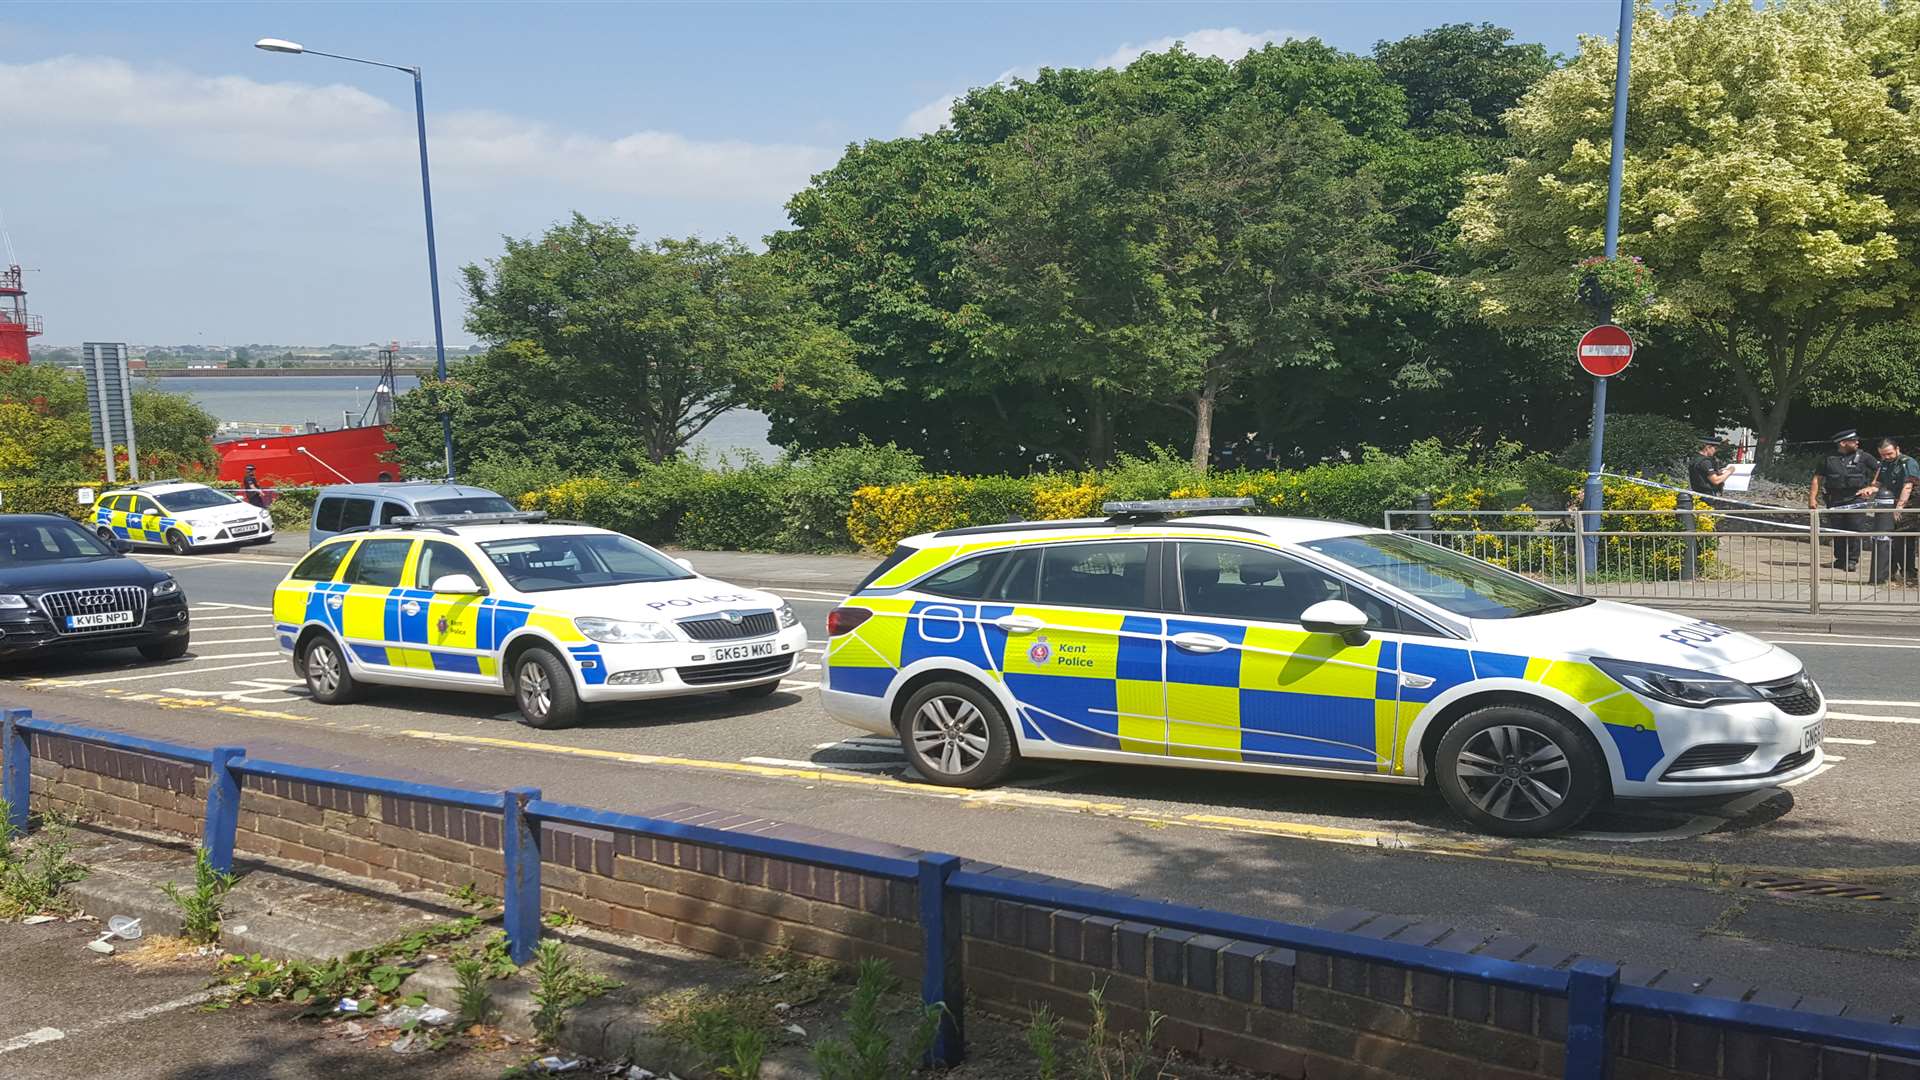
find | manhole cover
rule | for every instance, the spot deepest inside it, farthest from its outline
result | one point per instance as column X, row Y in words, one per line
column 1831, row 890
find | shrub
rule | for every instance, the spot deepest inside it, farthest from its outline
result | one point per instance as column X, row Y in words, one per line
column 820, row 486
column 737, row 510
column 881, row 516
column 1639, row 444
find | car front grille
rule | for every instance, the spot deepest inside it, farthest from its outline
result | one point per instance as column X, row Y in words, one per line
column 736, row 670
column 60, row 605
column 721, row 628
column 1791, row 762
column 1710, row 756
column 1795, row 696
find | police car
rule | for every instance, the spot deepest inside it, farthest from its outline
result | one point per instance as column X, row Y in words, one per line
column 1310, row 648
column 178, row 516
column 558, row 615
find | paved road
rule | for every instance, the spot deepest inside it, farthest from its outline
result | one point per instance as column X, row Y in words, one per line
column 1651, row 884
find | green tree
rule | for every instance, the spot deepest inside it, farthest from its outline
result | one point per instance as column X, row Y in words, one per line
column 664, row 336
column 1460, row 79
column 1770, row 183
column 46, row 432
column 173, row 434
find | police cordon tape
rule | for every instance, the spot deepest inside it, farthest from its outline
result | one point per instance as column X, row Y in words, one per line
column 1853, row 507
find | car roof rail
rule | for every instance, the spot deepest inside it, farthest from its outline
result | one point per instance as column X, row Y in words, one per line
column 1162, row 509
column 160, row 483
column 441, row 521
column 1089, row 523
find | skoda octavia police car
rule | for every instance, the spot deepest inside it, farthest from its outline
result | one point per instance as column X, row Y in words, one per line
column 556, row 615
column 1305, row 647
column 178, row 516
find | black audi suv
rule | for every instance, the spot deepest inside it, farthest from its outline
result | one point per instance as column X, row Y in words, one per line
column 63, row 589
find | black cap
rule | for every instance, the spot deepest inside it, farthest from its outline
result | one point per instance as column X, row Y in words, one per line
column 1846, row 433
column 1712, row 440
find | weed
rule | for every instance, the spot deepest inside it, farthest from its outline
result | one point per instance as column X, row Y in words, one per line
column 470, row 896
column 368, row 974
column 1043, row 1038
column 1111, row 1055
column 34, row 874
column 559, row 985
column 559, row 919
column 200, row 910
column 866, row 1052
column 720, row 1036
column 473, row 1002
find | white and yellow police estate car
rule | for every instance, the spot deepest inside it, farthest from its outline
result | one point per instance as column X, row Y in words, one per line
column 179, row 516
column 1305, row 647
column 557, row 615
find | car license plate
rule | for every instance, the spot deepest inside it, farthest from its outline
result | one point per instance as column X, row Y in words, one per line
column 244, row 530
column 743, row 652
column 99, row 618
column 1810, row 737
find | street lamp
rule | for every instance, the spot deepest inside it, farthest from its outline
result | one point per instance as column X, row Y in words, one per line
column 1594, row 497
column 279, row 45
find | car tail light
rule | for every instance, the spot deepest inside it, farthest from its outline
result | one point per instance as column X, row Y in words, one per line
column 843, row 620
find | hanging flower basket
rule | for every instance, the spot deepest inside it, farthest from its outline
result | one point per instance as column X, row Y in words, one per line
column 1623, row 283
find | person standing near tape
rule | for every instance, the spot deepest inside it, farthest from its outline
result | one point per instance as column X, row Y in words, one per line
column 1892, row 492
column 1844, row 478
column 1705, row 474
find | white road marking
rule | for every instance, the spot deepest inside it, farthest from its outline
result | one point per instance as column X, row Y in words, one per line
column 162, row 560
column 861, row 742
column 1835, row 757
column 32, row 1038
column 812, row 599
column 801, row 683
column 1848, row 742
column 226, row 616
column 132, row 1016
column 176, row 670
column 1874, row 719
column 1848, row 644
column 1817, row 772
column 1874, row 701
column 226, row 605
column 841, row 766
column 1855, row 637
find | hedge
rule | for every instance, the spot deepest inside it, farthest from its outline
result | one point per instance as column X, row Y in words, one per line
column 291, row 507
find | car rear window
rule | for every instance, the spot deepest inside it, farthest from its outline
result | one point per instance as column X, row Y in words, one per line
column 475, row 504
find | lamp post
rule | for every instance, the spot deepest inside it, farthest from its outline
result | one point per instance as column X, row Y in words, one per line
column 1595, row 462
column 426, row 197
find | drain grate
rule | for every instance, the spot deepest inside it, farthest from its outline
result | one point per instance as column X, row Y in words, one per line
column 1832, row 890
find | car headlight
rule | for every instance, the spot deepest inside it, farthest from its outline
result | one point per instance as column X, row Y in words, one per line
column 12, row 602
column 787, row 617
column 619, row 631
column 166, row 587
column 1677, row 686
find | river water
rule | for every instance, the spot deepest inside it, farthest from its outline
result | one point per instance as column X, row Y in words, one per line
column 327, row 399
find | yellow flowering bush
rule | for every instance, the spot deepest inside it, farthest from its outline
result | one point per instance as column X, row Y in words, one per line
column 883, row 515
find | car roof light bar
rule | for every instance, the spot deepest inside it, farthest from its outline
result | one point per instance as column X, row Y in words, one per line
column 1156, row 509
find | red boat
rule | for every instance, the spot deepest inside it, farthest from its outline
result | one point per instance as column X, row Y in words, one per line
column 355, row 455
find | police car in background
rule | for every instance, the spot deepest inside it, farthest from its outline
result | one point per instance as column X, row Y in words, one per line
column 1301, row 647
column 178, row 516
column 558, row 615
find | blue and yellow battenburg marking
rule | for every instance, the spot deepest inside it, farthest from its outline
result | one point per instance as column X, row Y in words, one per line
column 419, row 629
column 139, row 528
column 1112, row 681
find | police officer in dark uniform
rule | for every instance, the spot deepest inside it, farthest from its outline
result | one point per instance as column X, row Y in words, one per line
column 1845, row 478
column 1705, row 474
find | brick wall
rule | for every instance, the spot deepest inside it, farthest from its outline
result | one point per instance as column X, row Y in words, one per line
column 1274, row 1011
column 119, row 787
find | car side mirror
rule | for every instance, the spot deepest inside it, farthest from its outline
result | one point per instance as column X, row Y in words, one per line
column 1336, row 617
column 686, row 564
column 458, row 585
column 121, row 547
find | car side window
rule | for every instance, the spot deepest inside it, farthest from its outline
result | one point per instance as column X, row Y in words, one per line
column 1229, row 581
column 144, row 506
column 338, row 514
column 968, row 579
column 439, row 559
column 321, row 563
column 391, row 510
column 378, row 563
column 1096, row 575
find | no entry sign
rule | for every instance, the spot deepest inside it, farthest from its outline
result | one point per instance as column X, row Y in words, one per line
column 1605, row 350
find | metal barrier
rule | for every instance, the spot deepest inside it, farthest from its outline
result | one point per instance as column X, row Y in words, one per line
column 1592, row 989
column 1730, row 554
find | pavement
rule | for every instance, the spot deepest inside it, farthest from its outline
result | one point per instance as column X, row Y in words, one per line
column 1679, row 886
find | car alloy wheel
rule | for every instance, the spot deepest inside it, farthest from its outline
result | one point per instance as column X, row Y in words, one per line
column 536, row 693
column 1514, row 772
column 951, row 734
column 323, row 669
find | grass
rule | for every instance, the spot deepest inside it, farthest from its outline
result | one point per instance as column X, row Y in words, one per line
column 201, row 910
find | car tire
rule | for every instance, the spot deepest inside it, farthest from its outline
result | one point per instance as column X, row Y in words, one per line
column 1513, row 770
column 106, row 535
column 170, row 649
column 543, row 689
column 956, row 735
column 765, row 689
column 177, row 542
column 329, row 680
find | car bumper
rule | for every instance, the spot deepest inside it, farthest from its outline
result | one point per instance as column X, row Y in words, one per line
column 207, row 538
column 35, row 634
column 863, row 711
column 683, row 668
column 1784, row 748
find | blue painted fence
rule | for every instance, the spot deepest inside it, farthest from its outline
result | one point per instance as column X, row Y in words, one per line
column 1592, row 989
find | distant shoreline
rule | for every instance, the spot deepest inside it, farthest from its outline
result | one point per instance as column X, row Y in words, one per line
column 369, row 370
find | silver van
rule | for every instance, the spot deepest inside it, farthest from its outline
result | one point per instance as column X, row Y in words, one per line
column 355, row 506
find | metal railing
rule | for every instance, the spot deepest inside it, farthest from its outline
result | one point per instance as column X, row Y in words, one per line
column 1853, row 558
column 1592, row 989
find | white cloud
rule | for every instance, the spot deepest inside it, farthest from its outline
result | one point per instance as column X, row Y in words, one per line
column 69, row 102
column 1227, row 43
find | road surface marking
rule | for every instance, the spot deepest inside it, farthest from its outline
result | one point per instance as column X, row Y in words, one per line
column 32, row 1038
column 225, row 605
column 201, row 560
column 132, row 1016
column 1874, row 719
column 1817, row 772
column 1849, row 644
column 199, row 616
column 1848, row 742
column 172, row 671
column 1856, row 637
column 855, row 766
column 1874, row 701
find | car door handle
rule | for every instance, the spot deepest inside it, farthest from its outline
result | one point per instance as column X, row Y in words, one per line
column 1200, row 643
column 411, row 607
column 334, row 601
column 1018, row 624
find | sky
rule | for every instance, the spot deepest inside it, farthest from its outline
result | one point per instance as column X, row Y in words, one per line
column 164, row 182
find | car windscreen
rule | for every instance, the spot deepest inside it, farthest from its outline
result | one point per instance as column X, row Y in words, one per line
column 33, row 542
column 199, row 498
column 1445, row 578
column 579, row 561
column 472, row 504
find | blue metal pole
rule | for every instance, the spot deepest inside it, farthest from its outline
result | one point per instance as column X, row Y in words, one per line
column 941, row 984
column 16, row 768
column 222, row 823
column 433, row 270
column 1590, row 986
column 1595, row 460
column 520, row 854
